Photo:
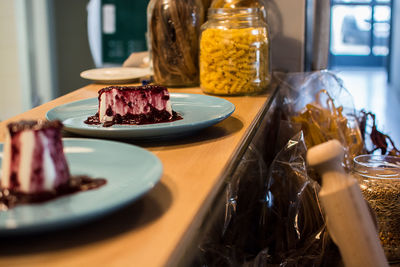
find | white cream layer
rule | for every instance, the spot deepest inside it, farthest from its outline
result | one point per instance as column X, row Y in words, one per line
column 28, row 142
column 157, row 102
column 103, row 108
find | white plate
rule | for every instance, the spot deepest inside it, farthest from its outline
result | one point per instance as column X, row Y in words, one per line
column 130, row 172
column 116, row 75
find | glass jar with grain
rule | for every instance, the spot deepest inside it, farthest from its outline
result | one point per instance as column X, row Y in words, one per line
column 379, row 179
column 234, row 52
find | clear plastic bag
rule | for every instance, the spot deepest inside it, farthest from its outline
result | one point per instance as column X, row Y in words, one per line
column 323, row 109
column 272, row 214
column 292, row 225
column 271, row 219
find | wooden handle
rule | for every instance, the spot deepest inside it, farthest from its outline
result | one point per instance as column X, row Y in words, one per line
column 348, row 219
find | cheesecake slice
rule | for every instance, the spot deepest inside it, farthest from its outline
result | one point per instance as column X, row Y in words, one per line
column 33, row 157
column 133, row 105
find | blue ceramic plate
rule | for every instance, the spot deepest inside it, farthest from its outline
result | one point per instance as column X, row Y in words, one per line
column 130, row 172
column 198, row 112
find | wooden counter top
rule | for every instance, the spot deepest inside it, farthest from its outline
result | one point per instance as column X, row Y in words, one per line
column 155, row 230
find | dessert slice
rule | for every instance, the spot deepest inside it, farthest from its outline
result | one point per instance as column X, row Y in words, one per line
column 34, row 167
column 33, row 159
column 133, row 105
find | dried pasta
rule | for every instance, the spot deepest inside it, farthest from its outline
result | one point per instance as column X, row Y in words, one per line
column 321, row 122
column 174, row 28
column 234, row 61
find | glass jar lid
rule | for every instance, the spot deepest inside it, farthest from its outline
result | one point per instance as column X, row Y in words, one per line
column 377, row 166
column 243, row 13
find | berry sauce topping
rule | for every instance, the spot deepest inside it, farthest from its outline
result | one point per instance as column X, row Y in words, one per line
column 11, row 198
column 16, row 127
column 153, row 117
column 154, row 88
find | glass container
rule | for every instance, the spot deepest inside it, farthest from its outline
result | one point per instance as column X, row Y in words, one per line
column 379, row 179
column 206, row 4
column 234, row 52
column 260, row 4
column 173, row 33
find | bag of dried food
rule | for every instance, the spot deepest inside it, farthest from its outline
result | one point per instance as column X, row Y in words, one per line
column 272, row 218
column 173, row 32
column 319, row 105
column 272, row 214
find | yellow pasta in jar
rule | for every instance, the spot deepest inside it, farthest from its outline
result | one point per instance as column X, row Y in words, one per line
column 234, row 61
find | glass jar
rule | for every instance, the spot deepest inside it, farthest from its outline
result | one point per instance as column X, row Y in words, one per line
column 379, row 179
column 173, row 32
column 206, row 4
column 260, row 4
column 234, row 52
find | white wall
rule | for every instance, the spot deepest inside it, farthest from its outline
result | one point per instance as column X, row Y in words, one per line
column 43, row 48
column 11, row 102
column 71, row 45
column 286, row 20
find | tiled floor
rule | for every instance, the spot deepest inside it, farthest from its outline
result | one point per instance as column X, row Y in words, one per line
column 371, row 92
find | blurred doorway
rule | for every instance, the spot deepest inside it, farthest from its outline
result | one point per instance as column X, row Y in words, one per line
column 360, row 33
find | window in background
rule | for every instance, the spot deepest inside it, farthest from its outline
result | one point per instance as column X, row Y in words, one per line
column 360, row 32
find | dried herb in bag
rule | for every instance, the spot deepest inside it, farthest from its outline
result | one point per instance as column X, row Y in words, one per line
column 377, row 140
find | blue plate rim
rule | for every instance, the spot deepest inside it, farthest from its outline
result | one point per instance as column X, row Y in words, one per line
column 108, row 208
column 176, row 126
